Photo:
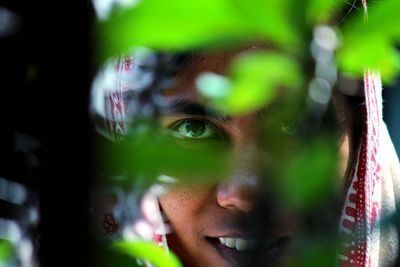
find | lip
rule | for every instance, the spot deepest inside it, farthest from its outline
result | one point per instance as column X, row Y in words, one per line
column 261, row 254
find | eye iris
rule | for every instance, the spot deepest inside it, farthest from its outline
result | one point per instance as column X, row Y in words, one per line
column 195, row 128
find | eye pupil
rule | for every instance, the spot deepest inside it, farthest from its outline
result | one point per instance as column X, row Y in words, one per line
column 195, row 128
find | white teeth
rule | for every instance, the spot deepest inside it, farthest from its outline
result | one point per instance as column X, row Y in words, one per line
column 236, row 243
column 241, row 244
column 230, row 242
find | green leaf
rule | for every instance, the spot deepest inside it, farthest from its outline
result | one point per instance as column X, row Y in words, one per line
column 278, row 20
column 173, row 25
column 321, row 11
column 255, row 77
column 6, row 251
column 147, row 251
column 308, row 175
column 316, row 252
column 180, row 25
column 381, row 19
column 156, row 153
column 371, row 43
column 369, row 51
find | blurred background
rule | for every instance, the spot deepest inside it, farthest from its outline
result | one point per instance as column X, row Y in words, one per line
column 391, row 111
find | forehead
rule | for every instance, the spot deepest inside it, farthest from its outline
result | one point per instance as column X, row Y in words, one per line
column 192, row 66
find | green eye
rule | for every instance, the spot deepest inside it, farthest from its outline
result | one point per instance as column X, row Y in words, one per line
column 194, row 129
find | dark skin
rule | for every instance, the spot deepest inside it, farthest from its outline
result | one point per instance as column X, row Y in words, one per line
column 202, row 213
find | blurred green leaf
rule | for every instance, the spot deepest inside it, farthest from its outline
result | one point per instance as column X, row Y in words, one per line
column 255, row 80
column 276, row 19
column 6, row 251
column 371, row 43
column 381, row 19
column 178, row 25
column 159, row 153
column 321, row 11
column 372, row 51
column 316, row 252
column 147, row 251
column 308, row 176
column 166, row 24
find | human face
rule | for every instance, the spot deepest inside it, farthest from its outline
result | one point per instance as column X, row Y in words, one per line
column 213, row 222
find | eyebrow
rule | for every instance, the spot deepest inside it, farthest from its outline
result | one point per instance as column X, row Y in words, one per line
column 183, row 106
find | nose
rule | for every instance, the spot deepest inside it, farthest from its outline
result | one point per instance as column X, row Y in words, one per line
column 241, row 190
column 239, row 193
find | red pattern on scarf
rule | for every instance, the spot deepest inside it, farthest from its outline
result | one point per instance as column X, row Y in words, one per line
column 362, row 208
column 114, row 104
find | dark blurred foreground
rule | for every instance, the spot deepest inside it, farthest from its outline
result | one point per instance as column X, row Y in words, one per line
column 44, row 144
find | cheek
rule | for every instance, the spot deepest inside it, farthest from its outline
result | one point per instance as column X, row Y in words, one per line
column 185, row 207
column 176, row 203
column 185, row 202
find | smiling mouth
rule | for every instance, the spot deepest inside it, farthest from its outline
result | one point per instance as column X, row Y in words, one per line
column 240, row 251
